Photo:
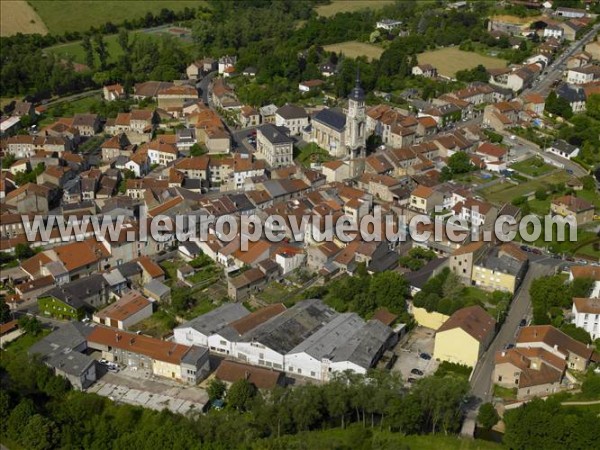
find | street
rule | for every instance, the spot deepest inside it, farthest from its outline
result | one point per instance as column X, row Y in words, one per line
column 555, row 70
column 481, row 381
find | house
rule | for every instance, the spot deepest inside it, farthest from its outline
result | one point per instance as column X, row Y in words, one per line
column 239, row 288
column 476, row 212
column 232, row 371
column 86, row 124
column 571, row 13
column 563, row 149
column 310, row 85
column 583, row 75
column 534, row 102
column 424, row 70
column 575, row 95
column 425, row 199
column 188, row 364
column 63, row 351
column 198, row 330
column 23, row 109
column 576, row 354
column 555, row 31
column 292, row 117
column 464, row 337
column 248, row 117
column 149, row 89
column 569, row 205
column 532, row 371
column 157, row 290
column 173, row 98
column 226, row 62
column 462, row 259
column 592, row 272
column 113, row 92
column 491, row 153
column 130, row 309
column 586, row 315
column 388, row 24
column 162, row 152
column 267, row 113
column 328, row 69
column 500, row 268
column 274, row 146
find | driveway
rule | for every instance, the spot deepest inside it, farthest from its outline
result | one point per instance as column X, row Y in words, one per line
column 420, row 340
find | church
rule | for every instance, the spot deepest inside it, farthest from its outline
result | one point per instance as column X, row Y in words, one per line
column 343, row 133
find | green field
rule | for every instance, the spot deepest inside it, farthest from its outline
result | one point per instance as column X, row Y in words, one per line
column 450, row 60
column 75, row 50
column 343, row 6
column 506, row 192
column 354, row 49
column 533, row 167
column 60, row 16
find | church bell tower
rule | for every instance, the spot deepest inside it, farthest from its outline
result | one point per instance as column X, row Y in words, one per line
column 356, row 121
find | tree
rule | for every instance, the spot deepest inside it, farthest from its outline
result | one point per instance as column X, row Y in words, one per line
column 101, row 50
column 198, row 150
column 40, row 433
column 541, row 194
column 579, row 334
column 18, row 419
column 123, row 40
column 88, row 49
column 30, row 324
column 4, row 312
column 240, row 394
column 558, row 105
column 23, row 251
column 460, row 162
column 216, row 389
column 488, row 416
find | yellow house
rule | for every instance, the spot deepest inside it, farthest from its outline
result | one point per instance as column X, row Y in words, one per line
column 463, row 338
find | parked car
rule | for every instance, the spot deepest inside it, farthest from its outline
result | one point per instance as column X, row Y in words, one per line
column 411, row 380
column 416, row 372
column 523, row 322
column 103, row 361
column 426, row 356
column 509, row 346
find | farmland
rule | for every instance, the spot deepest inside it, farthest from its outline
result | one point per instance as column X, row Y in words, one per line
column 354, row 49
column 343, row 6
column 60, row 16
column 18, row 17
column 450, row 60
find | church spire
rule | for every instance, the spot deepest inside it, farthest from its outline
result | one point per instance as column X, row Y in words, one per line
column 357, row 94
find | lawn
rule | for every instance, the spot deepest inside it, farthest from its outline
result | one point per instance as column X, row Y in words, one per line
column 22, row 344
column 273, row 293
column 450, row 60
column 505, row 393
column 354, row 49
column 344, row 6
column 312, row 153
column 18, row 16
column 534, row 167
column 60, row 16
column 505, row 192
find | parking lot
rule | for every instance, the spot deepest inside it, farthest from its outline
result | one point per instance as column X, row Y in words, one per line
column 420, row 340
column 141, row 388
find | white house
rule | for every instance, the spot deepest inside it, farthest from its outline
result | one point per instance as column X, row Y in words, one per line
column 563, row 149
column 583, row 75
column 586, row 315
column 162, row 153
column 388, row 24
column 292, row 117
column 226, row 62
column 554, row 31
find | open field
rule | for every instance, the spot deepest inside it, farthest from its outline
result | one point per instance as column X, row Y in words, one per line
column 450, row 60
column 354, row 49
column 75, row 50
column 505, row 192
column 18, row 17
column 342, row 6
column 60, row 16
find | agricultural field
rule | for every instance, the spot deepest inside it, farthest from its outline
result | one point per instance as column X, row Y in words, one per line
column 18, row 16
column 343, row 6
column 450, row 60
column 354, row 49
column 60, row 16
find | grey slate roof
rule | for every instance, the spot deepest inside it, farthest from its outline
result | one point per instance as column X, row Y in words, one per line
column 76, row 292
column 71, row 335
column 564, row 146
column 70, row 362
column 194, row 354
column 156, row 287
column 217, row 319
column 275, row 134
column 292, row 112
column 364, row 346
column 333, row 118
column 287, row 330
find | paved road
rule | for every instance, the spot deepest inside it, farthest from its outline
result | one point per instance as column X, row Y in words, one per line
column 481, row 381
column 555, row 71
column 203, row 86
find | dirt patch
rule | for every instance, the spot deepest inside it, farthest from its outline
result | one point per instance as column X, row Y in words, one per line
column 354, row 49
column 19, row 17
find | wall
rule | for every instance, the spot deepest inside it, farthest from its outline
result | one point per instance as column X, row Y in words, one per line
column 167, row 370
column 432, row 320
column 456, row 346
column 493, row 281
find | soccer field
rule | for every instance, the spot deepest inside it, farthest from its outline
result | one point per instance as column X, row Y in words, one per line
column 450, row 60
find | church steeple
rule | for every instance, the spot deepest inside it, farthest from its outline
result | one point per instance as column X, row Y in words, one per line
column 357, row 94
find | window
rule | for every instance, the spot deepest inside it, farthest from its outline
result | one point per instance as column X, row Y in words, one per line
column 499, row 377
column 300, row 371
column 312, row 374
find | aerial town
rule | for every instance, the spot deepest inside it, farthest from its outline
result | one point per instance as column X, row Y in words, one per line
column 453, row 116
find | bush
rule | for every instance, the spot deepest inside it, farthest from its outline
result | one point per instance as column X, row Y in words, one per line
column 488, row 416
